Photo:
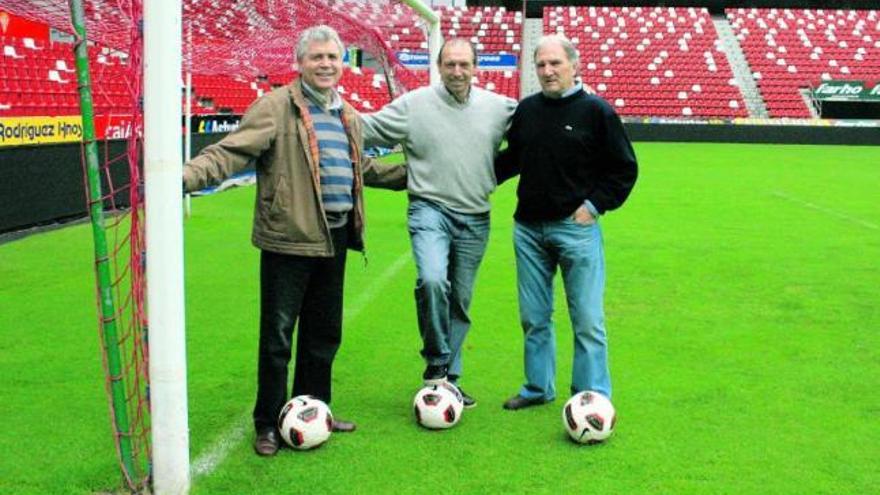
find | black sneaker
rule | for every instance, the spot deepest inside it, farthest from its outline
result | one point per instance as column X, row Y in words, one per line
column 434, row 374
column 469, row 402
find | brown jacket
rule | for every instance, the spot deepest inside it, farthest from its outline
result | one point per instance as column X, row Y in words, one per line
column 277, row 136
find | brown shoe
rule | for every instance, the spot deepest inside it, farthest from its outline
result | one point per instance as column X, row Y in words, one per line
column 520, row 402
column 343, row 426
column 266, row 443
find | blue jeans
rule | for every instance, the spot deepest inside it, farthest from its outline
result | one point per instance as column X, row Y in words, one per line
column 448, row 248
column 577, row 249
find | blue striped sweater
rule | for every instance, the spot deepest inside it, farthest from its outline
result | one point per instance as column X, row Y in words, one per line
column 337, row 175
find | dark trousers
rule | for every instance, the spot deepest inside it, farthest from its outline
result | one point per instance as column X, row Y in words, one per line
column 300, row 288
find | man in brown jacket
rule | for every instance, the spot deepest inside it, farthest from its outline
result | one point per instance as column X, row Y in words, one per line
column 306, row 145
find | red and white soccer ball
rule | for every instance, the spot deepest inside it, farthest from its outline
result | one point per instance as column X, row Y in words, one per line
column 589, row 417
column 438, row 406
column 305, row 422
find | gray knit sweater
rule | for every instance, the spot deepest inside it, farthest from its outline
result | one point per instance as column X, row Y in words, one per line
column 450, row 146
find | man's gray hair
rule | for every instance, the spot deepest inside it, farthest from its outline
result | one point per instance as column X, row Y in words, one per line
column 320, row 34
column 570, row 51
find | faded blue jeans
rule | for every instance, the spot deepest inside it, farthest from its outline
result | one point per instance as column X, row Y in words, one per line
column 577, row 250
column 448, row 247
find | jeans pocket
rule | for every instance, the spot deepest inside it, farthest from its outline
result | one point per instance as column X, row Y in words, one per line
column 570, row 219
column 421, row 216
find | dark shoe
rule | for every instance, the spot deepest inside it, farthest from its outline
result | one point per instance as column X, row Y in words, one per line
column 266, row 443
column 341, row 426
column 469, row 402
column 434, row 374
column 519, row 402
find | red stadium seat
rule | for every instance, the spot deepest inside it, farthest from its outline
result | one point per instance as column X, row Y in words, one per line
column 794, row 49
column 636, row 57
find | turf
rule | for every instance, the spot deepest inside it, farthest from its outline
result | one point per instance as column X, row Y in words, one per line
column 742, row 318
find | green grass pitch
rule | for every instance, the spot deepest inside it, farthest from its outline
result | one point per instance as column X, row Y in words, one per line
column 742, row 308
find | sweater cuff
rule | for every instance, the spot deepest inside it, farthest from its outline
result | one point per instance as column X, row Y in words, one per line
column 589, row 206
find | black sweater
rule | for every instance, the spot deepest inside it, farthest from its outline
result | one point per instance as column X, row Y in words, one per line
column 567, row 150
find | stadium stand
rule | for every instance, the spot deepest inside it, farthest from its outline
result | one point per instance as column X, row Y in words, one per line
column 504, row 82
column 216, row 94
column 646, row 61
column 366, row 90
column 37, row 78
column 490, row 29
column 791, row 50
column 651, row 61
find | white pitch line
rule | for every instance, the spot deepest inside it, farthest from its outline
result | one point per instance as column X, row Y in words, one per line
column 828, row 211
column 214, row 456
column 206, row 462
column 365, row 297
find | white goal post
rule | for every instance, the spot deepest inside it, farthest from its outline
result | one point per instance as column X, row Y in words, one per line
column 435, row 37
column 163, row 169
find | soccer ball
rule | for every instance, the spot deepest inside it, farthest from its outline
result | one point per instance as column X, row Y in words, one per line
column 589, row 417
column 438, row 406
column 305, row 422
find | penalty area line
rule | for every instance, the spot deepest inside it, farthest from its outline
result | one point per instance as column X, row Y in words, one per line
column 827, row 211
column 206, row 463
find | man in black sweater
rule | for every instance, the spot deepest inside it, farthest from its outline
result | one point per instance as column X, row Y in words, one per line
column 575, row 163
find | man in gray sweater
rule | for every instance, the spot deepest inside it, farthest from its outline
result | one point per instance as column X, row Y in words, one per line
column 450, row 133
